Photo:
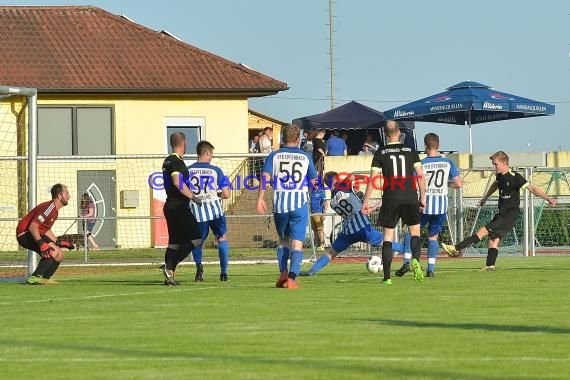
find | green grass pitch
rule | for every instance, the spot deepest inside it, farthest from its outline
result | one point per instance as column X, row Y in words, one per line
column 121, row 323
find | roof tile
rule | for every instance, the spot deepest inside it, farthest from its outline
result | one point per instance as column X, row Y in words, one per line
column 79, row 48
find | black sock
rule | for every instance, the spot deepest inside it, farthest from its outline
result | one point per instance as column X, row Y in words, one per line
column 170, row 259
column 492, row 254
column 51, row 270
column 183, row 251
column 387, row 258
column 43, row 266
column 473, row 239
column 416, row 247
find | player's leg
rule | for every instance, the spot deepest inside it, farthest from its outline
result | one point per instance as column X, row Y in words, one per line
column 415, row 243
column 407, row 253
column 204, row 228
column 455, row 250
column 342, row 242
column 219, row 228
column 435, row 226
column 57, row 256
column 298, row 221
column 492, row 253
column 283, row 249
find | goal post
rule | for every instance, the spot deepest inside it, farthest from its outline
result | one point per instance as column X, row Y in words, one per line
column 18, row 150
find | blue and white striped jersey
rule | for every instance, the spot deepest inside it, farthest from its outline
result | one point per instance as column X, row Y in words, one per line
column 438, row 172
column 205, row 180
column 347, row 204
column 291, row 170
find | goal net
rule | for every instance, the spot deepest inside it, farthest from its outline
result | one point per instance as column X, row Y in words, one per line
column 15, row 109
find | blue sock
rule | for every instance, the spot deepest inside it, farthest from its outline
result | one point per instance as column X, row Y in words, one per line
column 296, row 260
column 224, row 254
column 282, row 257
column 397, row 246
column 407, row 247
column 197, row 255
column 433, row 249
column 321, row 262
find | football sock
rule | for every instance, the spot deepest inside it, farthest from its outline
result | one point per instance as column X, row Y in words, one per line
column 43, row 266
column 397, row 246
column 223, row 252
column 473, row 239
column 433, row 250
column 182, row 252
column 492, row 254
column 197, row 255
column 320, row 263
column 407, row 248
column 296, row 260
column 170, row 259
column 282, row 257
column 51, row 270
column 387, row 258
column 416, row 245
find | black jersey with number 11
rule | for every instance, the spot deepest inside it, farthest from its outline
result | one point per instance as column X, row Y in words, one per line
column 397, row 163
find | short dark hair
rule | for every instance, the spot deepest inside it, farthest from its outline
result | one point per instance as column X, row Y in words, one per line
column 56, row 190
column 328, row 177
column 203, row 146
column 431, row 141
column 176, row 139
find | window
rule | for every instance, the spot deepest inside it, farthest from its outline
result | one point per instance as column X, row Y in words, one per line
column 192, row 127
column 75, row 130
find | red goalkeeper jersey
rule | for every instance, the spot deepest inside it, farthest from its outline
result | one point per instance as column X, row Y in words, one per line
column 43, row 214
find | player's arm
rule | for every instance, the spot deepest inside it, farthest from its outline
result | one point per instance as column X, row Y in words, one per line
column 421, row 182
column 456, row 182
column 494, row 186
column 261, row 207
column 182, row 186
column 539, row 193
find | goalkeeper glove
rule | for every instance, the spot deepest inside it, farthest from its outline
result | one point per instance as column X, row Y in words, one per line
column 65, row 244
column 45, row 249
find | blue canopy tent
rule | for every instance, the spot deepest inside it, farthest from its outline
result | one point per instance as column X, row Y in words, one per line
column 471, row 103
column 353, row 116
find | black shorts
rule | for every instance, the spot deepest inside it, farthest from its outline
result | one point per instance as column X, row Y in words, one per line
column 501, row 224
column 27, row 241
column 181, row 223
column 391, row 212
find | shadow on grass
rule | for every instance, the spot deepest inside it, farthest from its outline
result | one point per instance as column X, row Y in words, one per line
column 472, row 326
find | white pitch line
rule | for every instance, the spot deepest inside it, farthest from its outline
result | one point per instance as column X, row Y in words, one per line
column 428, row 359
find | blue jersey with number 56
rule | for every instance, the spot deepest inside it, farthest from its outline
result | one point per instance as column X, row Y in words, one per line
column 291, row 170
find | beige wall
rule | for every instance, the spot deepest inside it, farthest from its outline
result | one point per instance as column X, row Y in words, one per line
column 140, row 121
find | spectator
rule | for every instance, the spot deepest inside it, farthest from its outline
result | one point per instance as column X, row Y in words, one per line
column 319, row 150
column 254, row 144
column 336, row 146
column 372, row 145
column 365, row 150
column 266, row 141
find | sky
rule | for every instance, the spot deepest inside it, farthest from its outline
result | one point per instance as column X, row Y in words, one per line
column 386, row 53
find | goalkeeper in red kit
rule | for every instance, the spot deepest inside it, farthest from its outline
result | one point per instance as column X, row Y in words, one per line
column 34, row 233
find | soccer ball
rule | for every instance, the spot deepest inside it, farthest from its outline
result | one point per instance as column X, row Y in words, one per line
column 374, row 264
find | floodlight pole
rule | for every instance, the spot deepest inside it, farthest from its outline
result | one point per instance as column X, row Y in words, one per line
column 331, row 52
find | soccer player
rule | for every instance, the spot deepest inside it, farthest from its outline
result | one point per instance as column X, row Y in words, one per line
column 34, row 233
column 291, row 171
column 183, row 232
column 355, row 227
column 318, row 206
column 402, row 175
column 440, row 172
column 509, row 184
column 206, row 181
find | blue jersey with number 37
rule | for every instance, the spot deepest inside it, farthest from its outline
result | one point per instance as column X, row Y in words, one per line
column 291, row 170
